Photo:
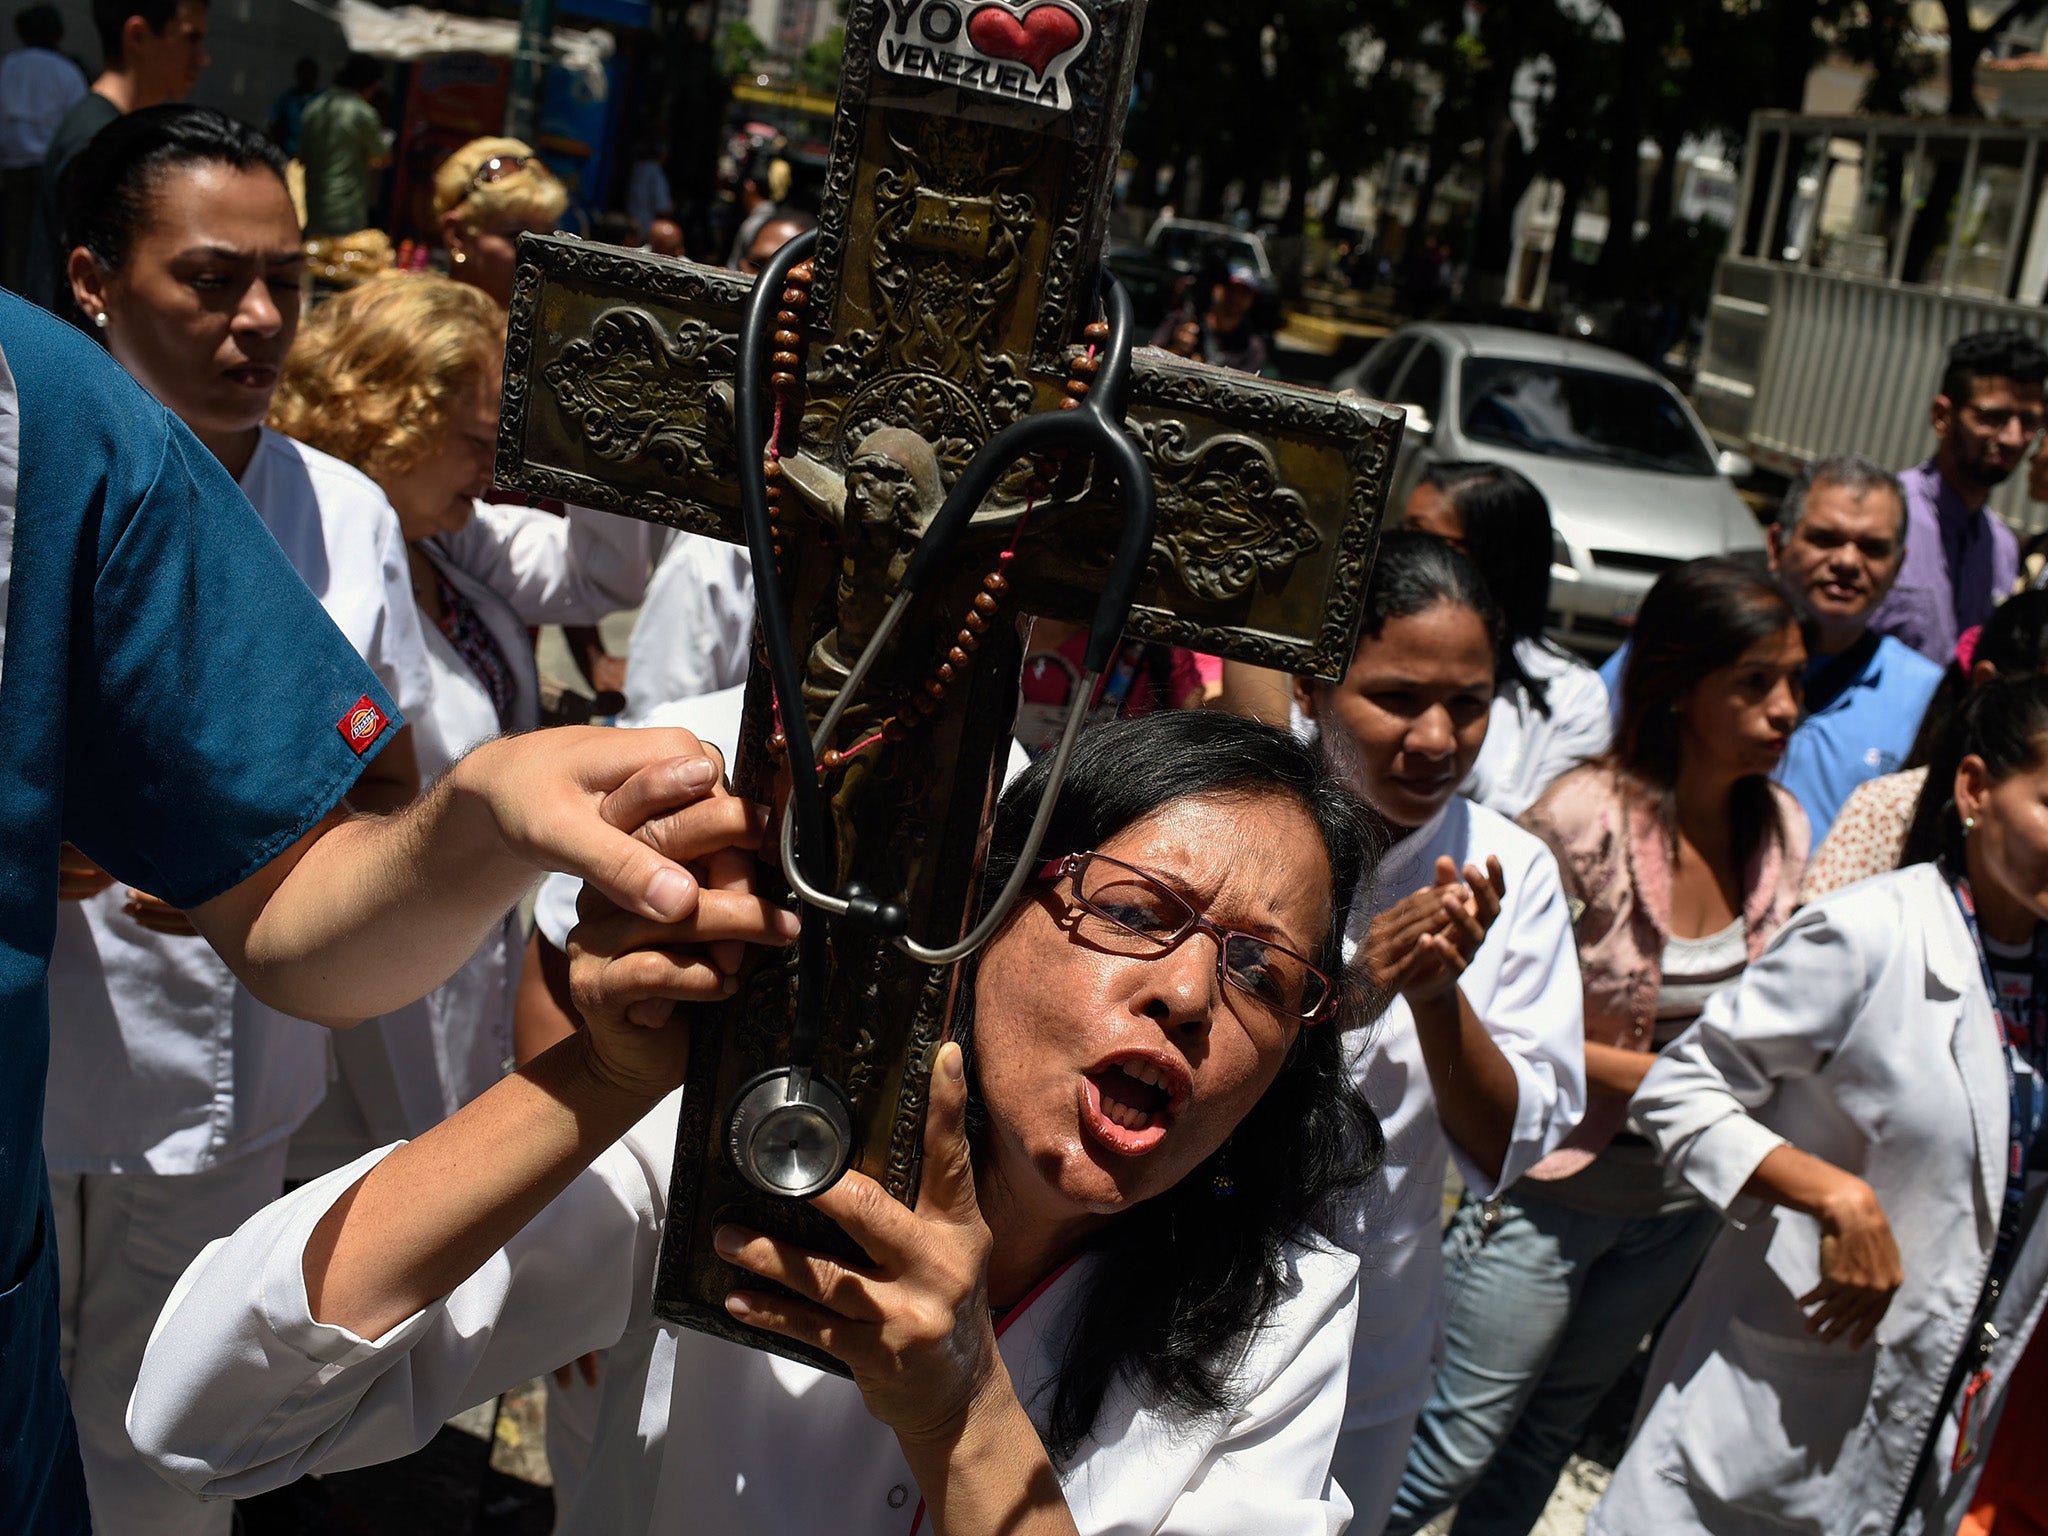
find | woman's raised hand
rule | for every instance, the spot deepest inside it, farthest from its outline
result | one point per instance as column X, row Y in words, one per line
column 1421, row 945
column 914, row 1329
column 627, row 972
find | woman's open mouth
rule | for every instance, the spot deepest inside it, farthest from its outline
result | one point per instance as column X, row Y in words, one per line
column 1129, row 1103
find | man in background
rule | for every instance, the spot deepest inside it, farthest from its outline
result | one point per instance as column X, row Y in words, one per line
column 154, row 51
column 1961, row 561
column 288, row 112
column 342, row 144
column 38, row 85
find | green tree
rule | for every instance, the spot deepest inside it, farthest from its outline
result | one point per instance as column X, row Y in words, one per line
column 818, row 69
column 740, row 50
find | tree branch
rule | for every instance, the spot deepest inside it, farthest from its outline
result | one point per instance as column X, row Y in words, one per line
column 2018, row 10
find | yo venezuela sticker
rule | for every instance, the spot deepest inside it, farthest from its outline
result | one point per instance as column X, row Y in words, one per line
column 1020, row 52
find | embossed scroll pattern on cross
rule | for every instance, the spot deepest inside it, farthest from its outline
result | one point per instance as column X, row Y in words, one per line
column 963, row 214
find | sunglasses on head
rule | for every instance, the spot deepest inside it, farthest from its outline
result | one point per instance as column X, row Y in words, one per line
column 497, row 168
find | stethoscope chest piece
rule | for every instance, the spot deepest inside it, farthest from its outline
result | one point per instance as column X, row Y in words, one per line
column 795, row 1144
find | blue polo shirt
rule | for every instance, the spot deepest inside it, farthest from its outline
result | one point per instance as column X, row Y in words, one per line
column 1866, row 730
column 173, row 701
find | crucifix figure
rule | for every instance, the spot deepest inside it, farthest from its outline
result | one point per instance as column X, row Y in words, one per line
column 952, row 294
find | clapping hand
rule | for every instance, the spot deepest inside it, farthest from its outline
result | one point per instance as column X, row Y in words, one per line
column 1420, row 946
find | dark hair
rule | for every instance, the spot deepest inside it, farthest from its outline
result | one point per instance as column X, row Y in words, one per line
column 1698, row 618
column 1507, row 535
column 2004, row 723
column 1184, row 1280
column 359, row 71
column 1413, row 572
column 39, row 26
column 109, row 17
column 2010, row 355
column 2015, row 643
column 1847, row 471
column 106, row 189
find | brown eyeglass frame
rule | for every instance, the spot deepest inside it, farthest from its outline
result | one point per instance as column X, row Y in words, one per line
column 1073, row 863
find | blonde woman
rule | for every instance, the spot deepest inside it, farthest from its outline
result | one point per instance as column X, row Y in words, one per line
column 486, row 195
column 400, row 377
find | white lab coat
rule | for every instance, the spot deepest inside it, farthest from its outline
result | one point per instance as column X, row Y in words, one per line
column 1862, row 1036
column 695, row 630
column 1526, row 750
column 241, row 1391
column 1524, row 986
column 517, row 566
column 160, row 1062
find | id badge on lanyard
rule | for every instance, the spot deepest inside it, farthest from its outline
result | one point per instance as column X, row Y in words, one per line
column 2021, row 1019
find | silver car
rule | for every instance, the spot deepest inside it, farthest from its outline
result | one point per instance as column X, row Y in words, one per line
column 1633, row 481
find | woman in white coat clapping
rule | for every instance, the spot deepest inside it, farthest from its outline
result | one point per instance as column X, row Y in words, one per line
column 1480, row 1057
column 1865, row 1109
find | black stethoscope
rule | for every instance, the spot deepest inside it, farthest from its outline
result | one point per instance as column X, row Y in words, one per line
column 789, row 1130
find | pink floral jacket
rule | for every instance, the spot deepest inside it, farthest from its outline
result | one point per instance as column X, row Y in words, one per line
column 1615, row 856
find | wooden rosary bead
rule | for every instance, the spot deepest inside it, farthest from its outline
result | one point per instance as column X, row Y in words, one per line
column 945, row 675
column 984, row 604
column 803, row 272
column 788, row 340
column 957, row 657
column 778, row 743
column 895, row 731
column 1084, row 364
column 783, row 380
column 786, row 359
column 1037, row 489
column 1078, row 388
column 996, row 582
column 1096, row 331
column 772, row 468
column 975, row 624
column 934, row 690
column 794, row 298
column 832, row 759
column 1069, row 403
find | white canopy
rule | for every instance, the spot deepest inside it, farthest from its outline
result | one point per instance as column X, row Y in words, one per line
column 414, row 32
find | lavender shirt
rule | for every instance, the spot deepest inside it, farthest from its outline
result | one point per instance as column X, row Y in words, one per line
column 1958, row 565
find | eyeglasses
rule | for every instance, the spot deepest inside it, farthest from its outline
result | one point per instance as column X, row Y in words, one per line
column 496, row 169
column 1133, row 908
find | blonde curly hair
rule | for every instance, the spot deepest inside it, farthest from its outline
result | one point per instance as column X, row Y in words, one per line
column 376, row 371
column 528, row 195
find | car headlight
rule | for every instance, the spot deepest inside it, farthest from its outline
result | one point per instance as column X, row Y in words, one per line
column 1561, row 552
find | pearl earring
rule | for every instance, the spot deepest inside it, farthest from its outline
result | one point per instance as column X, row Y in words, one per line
column 100, row 319
column 460, row 257
column 1969, row 825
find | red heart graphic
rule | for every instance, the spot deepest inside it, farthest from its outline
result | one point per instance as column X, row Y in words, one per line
column 1034, row 39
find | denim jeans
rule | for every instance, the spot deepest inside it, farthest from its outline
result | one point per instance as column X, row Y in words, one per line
column 1547, row 1306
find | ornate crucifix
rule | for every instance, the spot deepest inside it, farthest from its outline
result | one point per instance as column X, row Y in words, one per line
column 953, row 292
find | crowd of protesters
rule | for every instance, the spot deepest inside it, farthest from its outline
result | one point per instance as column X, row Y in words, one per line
column 1718, row 977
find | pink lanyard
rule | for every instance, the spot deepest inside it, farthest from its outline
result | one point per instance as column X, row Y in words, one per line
column 1003, row 1327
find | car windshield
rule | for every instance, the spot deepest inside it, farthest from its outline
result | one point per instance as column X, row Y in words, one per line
column 1186, row 247
column 1579, row 413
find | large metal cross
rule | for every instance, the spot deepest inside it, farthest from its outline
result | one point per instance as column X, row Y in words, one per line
column 963, row 217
